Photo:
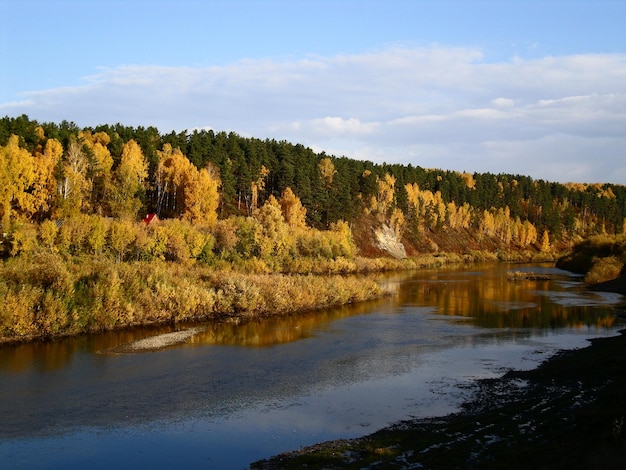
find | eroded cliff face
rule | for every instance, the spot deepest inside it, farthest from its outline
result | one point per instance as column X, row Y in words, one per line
column 386, row 240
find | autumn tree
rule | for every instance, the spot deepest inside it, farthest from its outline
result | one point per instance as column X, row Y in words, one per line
column 292, row 209
column 44, row 188
column 257, row 186
column 382, row 202
column 327, row 171
column 327, row 174
column 169, row 178
column 129, row 182
column 16, row 176
column 202, row 195
column 185, row 191
column 273, row 238
column 545, row 242
column 74, row 186
column 100, row 165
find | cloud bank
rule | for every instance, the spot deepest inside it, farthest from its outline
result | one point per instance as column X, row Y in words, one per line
column 555, row 118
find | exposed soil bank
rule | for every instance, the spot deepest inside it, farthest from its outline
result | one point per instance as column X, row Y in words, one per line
column 569, row 413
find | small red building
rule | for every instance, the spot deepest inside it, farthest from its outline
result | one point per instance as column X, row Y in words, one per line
column 150, row 218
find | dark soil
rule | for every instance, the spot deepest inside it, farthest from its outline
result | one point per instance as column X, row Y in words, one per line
column 567, row 413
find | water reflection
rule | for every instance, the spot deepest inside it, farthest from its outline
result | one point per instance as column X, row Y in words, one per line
column 493, row 300
column 276, row 330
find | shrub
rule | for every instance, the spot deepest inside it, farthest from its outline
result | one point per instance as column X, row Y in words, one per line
column 121, row 236
column 23, row 238
column 604, row 269
column 48, row 231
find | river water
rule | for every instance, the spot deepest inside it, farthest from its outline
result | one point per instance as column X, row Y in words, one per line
column 237, row 393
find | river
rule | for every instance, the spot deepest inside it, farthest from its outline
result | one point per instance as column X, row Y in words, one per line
column 234, row 393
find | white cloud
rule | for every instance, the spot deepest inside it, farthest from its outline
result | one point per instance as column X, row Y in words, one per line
column 331, row 127
column 503, row 103
column 434, row 107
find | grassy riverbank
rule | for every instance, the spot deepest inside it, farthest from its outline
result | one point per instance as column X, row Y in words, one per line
column 46, row 295
column 570, row 412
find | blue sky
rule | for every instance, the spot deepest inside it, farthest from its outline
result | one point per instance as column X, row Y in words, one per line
column 525, row 87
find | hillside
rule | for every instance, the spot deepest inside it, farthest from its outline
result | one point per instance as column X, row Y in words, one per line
column 119, row 171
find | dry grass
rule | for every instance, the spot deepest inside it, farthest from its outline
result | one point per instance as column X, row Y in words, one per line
column 604, row 269
column 46, row 295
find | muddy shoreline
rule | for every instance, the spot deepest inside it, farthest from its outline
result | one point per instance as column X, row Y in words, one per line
column 570, row 412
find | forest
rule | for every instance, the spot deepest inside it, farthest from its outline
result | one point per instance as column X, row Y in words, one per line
column 115, row 199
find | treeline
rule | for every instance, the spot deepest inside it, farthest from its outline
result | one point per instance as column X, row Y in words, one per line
column 202, row 176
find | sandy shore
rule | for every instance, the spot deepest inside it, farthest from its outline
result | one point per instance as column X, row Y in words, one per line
column 155, row 343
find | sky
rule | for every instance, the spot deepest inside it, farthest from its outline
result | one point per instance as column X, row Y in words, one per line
column 532, row 87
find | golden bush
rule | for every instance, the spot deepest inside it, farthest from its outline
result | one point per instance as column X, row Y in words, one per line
column 604, row 269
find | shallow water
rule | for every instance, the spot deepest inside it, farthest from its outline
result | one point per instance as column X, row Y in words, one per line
column 236, row 393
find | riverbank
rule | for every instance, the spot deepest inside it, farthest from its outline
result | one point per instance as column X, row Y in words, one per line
column 570, row 412
column 44, row 295
column 47, row 296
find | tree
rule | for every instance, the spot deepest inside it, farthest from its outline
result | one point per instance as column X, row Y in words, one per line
column 100, row 164
column 327, row 171
column 129, row 182
column 292, row 209
column 169, row 178
column 274, row 230
column 384, row 198
column 16, row 176
column 185, row 191
column 45, row 183
column 74, row 186
column 202, row 196
column 257, row 186
column 545, row 242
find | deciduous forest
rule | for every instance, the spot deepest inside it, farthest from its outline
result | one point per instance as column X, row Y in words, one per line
column 115, row 225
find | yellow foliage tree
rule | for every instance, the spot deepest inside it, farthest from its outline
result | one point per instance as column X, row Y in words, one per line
column 545, row 242
column 469, row 180
column 488, row 224
column 274, row 235
column 346, row 245
column 100, row 165
column 293, row 210
column 44, row 183
column 257, row 186
column 397, row 222
column 413, row 198
column 528, row 234
column 185, row 191
column 129, row 182
column 327, row 171
column 48, row 230
column 74, row 187
column 16, row 176
column 202, row 196
column 383, row 200
column 169, row 180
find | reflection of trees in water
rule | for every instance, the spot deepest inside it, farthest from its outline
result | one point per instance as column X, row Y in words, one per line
column 498, row 302
column 56, row 354
column 276, row 330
